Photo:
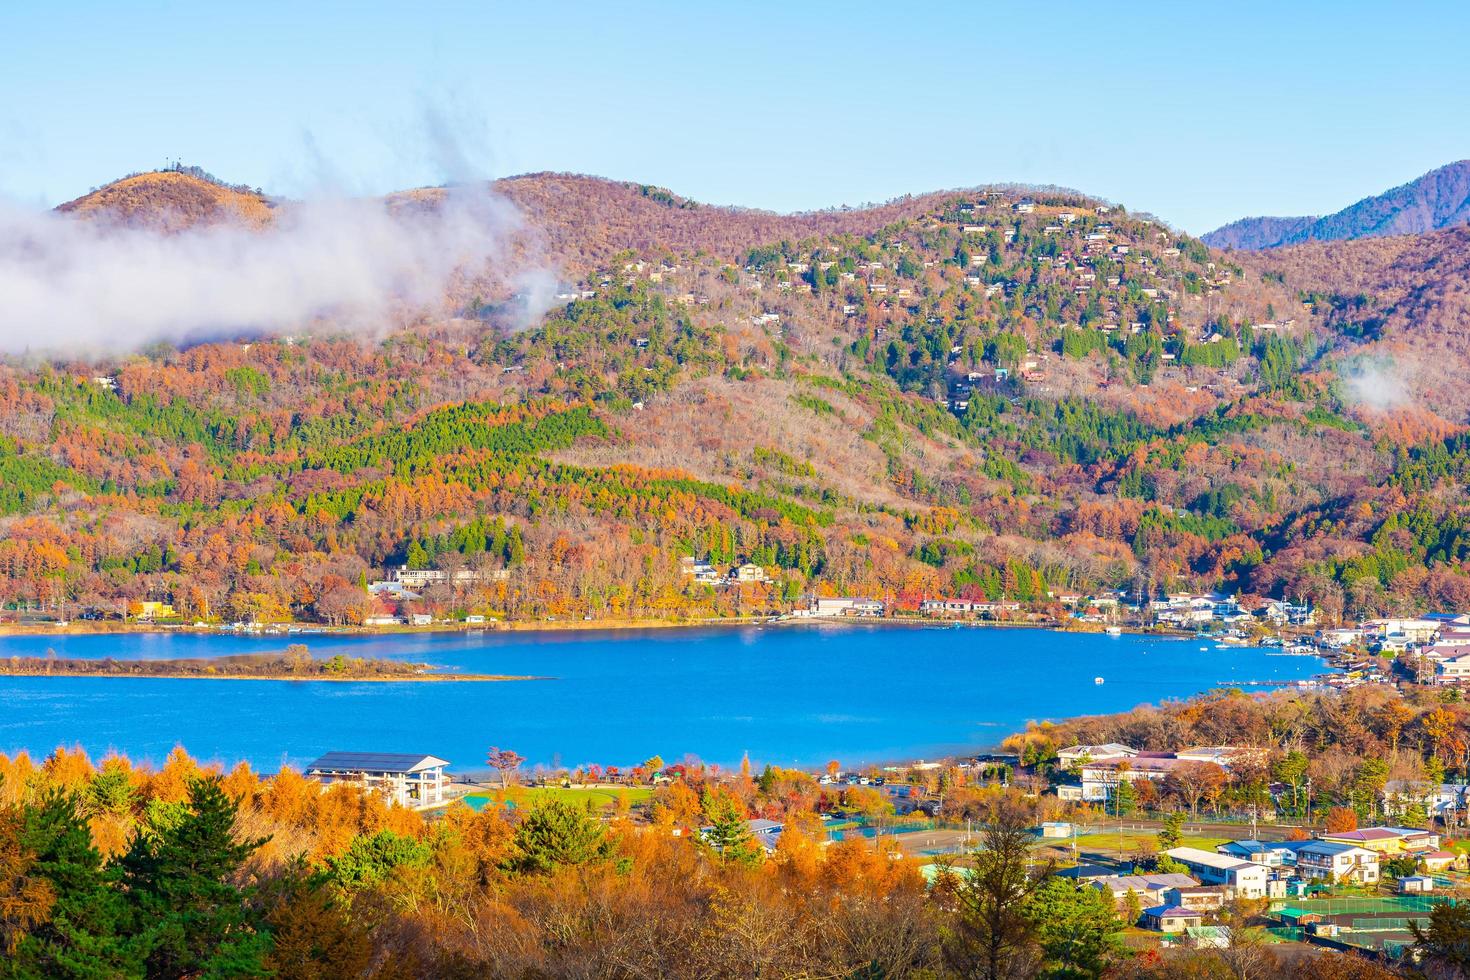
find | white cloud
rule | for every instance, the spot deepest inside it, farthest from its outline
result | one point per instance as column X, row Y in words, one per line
column 80, row 286
column 1379, row 385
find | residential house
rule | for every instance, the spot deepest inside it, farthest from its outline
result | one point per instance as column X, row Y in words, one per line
column 1452, row 670
column 1198, row 898
column 699, row 569
column 1282, row 613
column 1246, row 878
column 1390, row 841
column 1322, row 860
column 1438, row 799
column 1266, row 853
column 414, row 781
column 949, row 607
column 1148, row 887
column 1171, row 918
column 396, row 591
column 748, row 574
column 766, row 833
column 382, row 613
column 1338, row 638
column 148, row 610
column 1440, row 860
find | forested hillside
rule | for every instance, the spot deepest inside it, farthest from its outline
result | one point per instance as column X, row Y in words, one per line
column 1000, row 393
column 1439, row 199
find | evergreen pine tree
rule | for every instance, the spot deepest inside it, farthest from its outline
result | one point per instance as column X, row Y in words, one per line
column 189, row 915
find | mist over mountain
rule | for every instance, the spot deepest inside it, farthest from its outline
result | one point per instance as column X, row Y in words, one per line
column 1439, row 199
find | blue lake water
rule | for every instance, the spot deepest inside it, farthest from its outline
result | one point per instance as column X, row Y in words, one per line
column 786, row 695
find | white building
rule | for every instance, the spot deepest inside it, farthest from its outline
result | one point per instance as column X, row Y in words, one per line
column 414, row 781
column 1246, row 878
column 845, row 606
column 422, row 578
column 1321, row 860
column 1110, row 751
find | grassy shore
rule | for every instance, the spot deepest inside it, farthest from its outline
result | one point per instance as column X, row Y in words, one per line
column 294, row 664
column 306, row 679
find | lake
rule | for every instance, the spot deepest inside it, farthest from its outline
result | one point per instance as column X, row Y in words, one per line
column 786, row 695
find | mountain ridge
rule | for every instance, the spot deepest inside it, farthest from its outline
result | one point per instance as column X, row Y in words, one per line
column 1435, row 200
column 582, row 218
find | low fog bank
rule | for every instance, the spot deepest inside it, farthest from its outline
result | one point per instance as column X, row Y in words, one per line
column 70, row 285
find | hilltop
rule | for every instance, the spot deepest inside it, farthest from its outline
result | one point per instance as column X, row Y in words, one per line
column 587, row 219
column 172, row 200
column 1007, row 393
column 1439, row 199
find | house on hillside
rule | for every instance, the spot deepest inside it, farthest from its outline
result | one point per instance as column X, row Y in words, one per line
column 698, row 569
column 748, row 574
column 1438, row 799
column 1321, row 860
column 1453, row 670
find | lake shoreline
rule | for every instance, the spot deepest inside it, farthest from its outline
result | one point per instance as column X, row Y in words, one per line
column 300, row 632
column 402, row 679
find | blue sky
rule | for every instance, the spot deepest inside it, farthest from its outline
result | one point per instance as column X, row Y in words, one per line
column 1197, row 113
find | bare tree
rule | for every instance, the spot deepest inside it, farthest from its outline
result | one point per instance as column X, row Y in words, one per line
column 505, row 762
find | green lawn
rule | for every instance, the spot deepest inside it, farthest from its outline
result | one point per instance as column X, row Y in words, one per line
column 598, row 796
column 1131, row 841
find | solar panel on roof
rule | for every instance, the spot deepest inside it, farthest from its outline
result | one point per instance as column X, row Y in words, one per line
column 375, row 762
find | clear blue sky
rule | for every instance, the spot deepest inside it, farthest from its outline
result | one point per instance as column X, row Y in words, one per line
column 1198, row 113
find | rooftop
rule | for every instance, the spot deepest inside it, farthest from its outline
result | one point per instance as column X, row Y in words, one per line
column 1327, row 848
column 1173, row 911
column 1209, row 859
column 374, row 762
column 1145, row 883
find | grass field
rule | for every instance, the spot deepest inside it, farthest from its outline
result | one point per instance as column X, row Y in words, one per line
column 1130, row 841
column 599, row 796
